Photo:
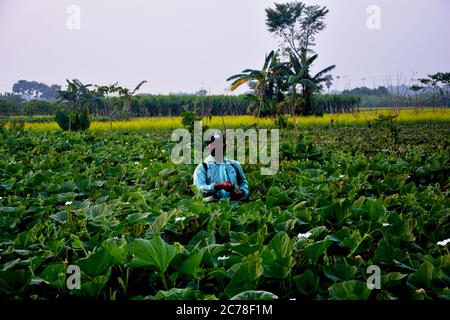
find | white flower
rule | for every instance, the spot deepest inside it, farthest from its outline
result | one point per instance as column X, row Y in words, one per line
column 177, row 219
column 68, row 203
column 223, row 258
column 163, row 150
column 136, row 163
column 386, row 224
column 126, row 202
column 341, row 176
column 145, row 168
column 443, row 242
column 292, row 299
column 148, row 134
column 304, row 235
column 1, row 198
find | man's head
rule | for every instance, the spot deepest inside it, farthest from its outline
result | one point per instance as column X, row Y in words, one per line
column 217, row 146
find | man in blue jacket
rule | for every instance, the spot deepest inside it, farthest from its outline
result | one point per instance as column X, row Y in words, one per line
column 219, row 177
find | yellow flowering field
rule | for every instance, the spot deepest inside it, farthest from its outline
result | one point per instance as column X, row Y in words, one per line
column 404, row 116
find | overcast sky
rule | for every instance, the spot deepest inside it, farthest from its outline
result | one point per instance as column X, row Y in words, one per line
column 182, row 46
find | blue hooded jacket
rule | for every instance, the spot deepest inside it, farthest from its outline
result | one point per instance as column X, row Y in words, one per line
column 219, row 172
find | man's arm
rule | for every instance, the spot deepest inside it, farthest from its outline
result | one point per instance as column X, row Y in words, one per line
column 200, row 180
column 243, row 184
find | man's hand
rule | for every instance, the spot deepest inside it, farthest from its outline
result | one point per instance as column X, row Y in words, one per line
column 226, row 185
column 236, row 194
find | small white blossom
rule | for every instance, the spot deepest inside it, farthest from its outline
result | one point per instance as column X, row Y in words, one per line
column 386, row 224
column 145, row 168
column 136, row 163
column 68, row 203
column 126, row 202
column 304, row 235
column 148, row 134
column 177, row 219
column 163, row 150
column 341, row 176
column 443, row 242
column 223, row 258
column 1, row 198
column 292, row 299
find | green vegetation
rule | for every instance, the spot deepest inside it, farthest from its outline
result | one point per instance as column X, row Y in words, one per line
column 114, row 204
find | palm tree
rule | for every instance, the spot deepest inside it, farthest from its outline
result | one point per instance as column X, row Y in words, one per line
column 300, row 74
column 128, row 95
column 263, row 79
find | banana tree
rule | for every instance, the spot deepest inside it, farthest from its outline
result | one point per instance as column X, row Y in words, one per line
column 300, row 75
column 128, row 95
column 80, row 99
column 264, row 79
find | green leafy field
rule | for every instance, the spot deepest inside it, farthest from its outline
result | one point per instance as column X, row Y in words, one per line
column 114, row 205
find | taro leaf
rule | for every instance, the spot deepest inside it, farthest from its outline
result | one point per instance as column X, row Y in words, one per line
column 160, row 223
column 404, row 229
column 244, row 276
column 375, row 207
column 224, row 228
column 153, row 253
column 315, row 250
column 94, row 287
column 218, row 273
column 55, row 275
column 136, row 217
column 255, row 295
column 191, row 263
column 96, row 263
column 386, row 253
column 340, row 272
column 349, row 290
column 67, row 196
column 244, row 249
column 307, row 283
column 317, row 232
column 392, row 279
column 12, row 282
column 175, row 294
column 277, row 256
column 425, row 276
column 60, row 217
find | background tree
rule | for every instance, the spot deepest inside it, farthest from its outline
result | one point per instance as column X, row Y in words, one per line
column 439, row 82
column 297, row 25
column 35, row 90
column 263, row 80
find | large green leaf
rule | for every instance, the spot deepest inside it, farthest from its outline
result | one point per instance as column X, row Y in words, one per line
column 153, row 253
column 277, row 256
column 307, row 283
column 315, row 250
column 244, row 276
column 425, row 276
column 255, row 295
column 349, row 290
column 340, row 272
column 191, row 263
column 55, row 275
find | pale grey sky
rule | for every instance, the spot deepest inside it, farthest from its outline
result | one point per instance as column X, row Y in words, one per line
column 180, row 45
